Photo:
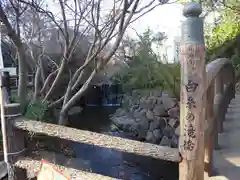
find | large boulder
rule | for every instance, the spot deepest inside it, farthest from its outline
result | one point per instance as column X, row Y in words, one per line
column 174, row 112
column 150, row 115
column 159, row 110
column 165, row 141
column 168, row 103
column 154, row 136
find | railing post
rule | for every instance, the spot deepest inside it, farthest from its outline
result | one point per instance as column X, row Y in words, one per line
column 16, row 144
column 13, row 138
column 219, row 89
column 193, row 82
column 209, row 138
column 233, row 84
column 6, row 81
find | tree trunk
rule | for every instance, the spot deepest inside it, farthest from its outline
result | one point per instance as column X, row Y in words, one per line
column 63, row 118
column 37, row 84
column 42, row 69
column 66, row 56
column 22, row 73
column 63, row 114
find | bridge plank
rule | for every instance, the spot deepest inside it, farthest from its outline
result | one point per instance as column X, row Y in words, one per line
column 101, row 140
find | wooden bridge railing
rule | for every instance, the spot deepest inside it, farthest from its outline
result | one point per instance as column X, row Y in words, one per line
column 220, row 90
column 207, row 89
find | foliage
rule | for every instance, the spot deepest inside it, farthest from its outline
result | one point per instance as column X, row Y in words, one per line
column 225, row 30
column 36, row 110
column 147, row 71
column 236, row 62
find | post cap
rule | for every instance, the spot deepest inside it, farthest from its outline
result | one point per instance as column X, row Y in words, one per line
column 192, row 9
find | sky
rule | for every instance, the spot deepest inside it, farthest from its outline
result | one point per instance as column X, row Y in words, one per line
column 166, row 18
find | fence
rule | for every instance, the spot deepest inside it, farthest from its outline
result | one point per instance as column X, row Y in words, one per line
column 14, row 81
column 206, row 93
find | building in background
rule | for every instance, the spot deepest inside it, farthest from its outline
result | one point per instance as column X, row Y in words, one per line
column 6, row 61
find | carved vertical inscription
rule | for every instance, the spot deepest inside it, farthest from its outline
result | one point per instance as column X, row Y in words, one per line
column 193, row 63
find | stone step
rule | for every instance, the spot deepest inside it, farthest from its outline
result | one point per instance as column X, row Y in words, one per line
column 235, row 100
column 230, row 116
column 233, row 110
column 234, row 105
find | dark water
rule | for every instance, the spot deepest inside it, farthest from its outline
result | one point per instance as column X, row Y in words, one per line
column 114, row 163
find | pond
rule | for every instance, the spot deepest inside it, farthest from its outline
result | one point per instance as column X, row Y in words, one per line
column 113, row 163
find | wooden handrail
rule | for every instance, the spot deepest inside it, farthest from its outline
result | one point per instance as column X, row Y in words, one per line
column 101, row 140
column 214, row 68
column 32, row 167
column 220, row 89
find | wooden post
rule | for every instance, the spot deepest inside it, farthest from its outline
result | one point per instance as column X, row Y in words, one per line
column 13, row 139
column 233, row 83
column 219, row 88
column 192, row 105
column 209, row 137
column 217, row 98
column 6, row 82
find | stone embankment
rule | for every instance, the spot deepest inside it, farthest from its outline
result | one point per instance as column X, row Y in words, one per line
column 150, row 118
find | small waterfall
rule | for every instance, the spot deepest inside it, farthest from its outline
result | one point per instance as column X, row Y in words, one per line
column 104, row 95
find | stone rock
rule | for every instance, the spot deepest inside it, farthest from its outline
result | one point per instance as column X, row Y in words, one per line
column 168, row 131
column 159, row 110
column 172, row 122
column 139, row 113
column 157, row 135
column 74, row 110
column 142, row 102
column 168, row 103
column 154, row 125
column 149, row 115
column 175, row 141
column 159, row 101
column 144, row 124
column 177, row 131
column 163, row 123
column 157, row 94
column 113, row 128
column 150, row 137
column 153, row 100
column 134, row 108
column 119, row 112
column 133, row 129
column 174, row 112
column 165, row 141
column 157, row 118
column 123, row 121
column 126, row 127
column 141, row 134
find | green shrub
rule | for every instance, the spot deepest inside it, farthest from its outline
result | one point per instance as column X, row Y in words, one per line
column 36, row 110
column 147, row 70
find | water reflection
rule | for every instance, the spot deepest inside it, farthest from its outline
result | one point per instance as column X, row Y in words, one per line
column 114, row 163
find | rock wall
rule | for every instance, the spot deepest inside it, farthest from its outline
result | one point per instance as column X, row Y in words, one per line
column 150, row 118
